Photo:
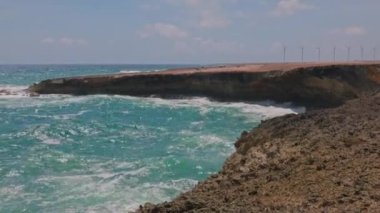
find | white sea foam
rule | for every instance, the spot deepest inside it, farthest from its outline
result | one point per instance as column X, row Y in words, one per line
column 131, row 197
column 69, row 116
column 193, row 143
column 111, row 187
column 207, row 140
column 60, row 116
column 261, row 110
column 12, row 173
column 40, row 134
column 11, row 192
column 130, row 71
column 13, row 91
column 21, row 100
column 104, row 177
column 139, row 71
column 51, row 141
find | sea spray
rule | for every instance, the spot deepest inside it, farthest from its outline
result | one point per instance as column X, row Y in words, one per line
column 110, row 152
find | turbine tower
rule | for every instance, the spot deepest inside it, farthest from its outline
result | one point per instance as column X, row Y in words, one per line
column 362, row 53
column 334, row 53
column 319, row 54
column 374, row 53
column 348, row 53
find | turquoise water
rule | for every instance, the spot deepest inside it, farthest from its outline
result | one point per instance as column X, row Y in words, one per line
column 105, row 153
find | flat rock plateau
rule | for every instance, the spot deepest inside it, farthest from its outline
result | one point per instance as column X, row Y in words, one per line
column 325, row 160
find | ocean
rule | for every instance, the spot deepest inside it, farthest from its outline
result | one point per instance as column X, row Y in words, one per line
column 109, row 153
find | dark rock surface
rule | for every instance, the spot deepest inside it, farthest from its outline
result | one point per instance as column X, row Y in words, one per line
column 321, row 161
column 312, row 85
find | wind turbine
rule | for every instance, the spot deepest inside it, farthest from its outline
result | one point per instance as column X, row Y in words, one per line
column 334, row 53
column 374, row 53
column 302, row 50
column 348, row 53
column 362, row 53
column 319, row 54
column 284, row 54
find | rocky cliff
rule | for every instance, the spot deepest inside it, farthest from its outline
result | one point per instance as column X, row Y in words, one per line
column 312, row 85
column 321, row 161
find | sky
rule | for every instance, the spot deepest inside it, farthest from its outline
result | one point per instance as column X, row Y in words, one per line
column 185, row 31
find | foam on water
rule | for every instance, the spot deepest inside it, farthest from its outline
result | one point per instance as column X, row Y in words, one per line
column 139, row 71
column 130, row 71
column 13, row 91
column 265, row 109
column 110, row 153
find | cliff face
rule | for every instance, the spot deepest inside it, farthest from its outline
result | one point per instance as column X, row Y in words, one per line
column 316, row 86
column 320, row 161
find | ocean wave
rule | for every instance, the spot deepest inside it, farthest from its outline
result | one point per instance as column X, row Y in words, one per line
column 263, row 110
column 130, row 71
column 22, row 99
column 110, row 177
column 110, row 188
column 39, row 133
column 139, row 71
column 132, row 197
column 13, row 91
column 194, row 143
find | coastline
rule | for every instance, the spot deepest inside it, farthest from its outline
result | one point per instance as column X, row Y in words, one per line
column 321, row 160
column 314, row 85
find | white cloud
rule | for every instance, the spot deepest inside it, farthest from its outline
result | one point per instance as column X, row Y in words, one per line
column 149, row 7
column 355, row 31
column 165, row 30
column 66, row 41
column 212, row 19
column 218, row 46
column 209, row 13
column 350, row 31
column 290, row 7
column 48, row 40
column 207, row 46
column 277, row 45
column 72, row 41
column 194, row 2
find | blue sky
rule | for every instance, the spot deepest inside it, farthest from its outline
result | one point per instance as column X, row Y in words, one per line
column 185, row 31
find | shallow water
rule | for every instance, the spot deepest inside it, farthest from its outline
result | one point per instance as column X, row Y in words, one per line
column 61, row 153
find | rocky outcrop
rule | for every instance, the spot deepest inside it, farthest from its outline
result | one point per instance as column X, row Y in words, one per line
column 312, row 85
column 320, row 161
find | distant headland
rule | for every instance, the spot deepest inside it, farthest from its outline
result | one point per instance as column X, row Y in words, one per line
column 310, row 84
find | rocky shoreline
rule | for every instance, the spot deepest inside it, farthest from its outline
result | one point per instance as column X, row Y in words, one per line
column 310, row 85
column 325, row 160
column 321, row 161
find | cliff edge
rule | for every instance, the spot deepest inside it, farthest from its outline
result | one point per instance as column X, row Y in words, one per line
column 310, row 85
column 321, row 161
